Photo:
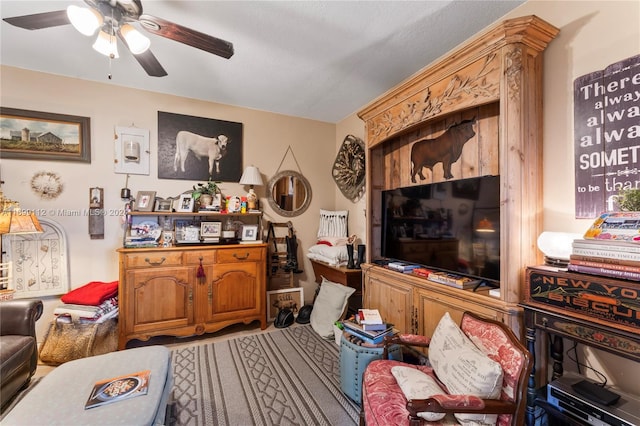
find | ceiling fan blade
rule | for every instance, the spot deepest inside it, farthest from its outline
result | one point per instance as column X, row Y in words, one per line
column 40, row 20
column 187, row 36
column 150, row 64
column 147, row 60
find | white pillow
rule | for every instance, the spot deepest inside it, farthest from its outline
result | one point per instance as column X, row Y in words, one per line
column 335, row 254
column 418, row 385
column 333, row 241
column 328, row 307
column 463, row 368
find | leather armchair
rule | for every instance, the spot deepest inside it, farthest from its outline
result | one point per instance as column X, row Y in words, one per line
column 18, row 345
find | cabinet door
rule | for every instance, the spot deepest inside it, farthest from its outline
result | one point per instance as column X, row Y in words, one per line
column 392, row 299
column 158, row 299
column 233, row 291
column 431, row 306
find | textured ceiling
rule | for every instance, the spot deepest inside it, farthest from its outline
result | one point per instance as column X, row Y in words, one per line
column 315, row 59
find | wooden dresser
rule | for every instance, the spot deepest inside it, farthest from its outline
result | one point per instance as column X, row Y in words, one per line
column 494, row 80
column 160, row 292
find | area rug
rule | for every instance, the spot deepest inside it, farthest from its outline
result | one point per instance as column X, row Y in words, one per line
column 285, row 377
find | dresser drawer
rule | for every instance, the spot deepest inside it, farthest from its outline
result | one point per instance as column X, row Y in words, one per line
column 194, row 257
column 160, row 258
column 240, row 254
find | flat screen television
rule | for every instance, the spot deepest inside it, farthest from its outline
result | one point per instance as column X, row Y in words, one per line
column 452, row 226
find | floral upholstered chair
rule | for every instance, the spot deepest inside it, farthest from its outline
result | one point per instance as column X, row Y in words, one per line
column 477, row 375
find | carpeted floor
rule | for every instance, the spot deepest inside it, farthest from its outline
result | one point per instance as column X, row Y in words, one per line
column 285, row 377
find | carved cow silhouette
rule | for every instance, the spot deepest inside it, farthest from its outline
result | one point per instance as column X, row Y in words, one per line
column 446, row 148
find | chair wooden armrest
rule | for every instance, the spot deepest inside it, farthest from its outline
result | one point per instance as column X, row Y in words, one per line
column 460, row 404
column 404, row 339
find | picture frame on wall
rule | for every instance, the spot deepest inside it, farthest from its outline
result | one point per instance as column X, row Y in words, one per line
column 292, row 298
column 145, row 201
column 199, row 148
column 38, row 135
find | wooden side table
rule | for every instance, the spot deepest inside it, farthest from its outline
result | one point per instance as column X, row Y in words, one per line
column 341, row 275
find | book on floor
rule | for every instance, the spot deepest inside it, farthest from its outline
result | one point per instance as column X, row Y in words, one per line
column 118, row 389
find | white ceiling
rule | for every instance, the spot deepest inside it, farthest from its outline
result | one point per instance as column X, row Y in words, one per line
column 314, row 59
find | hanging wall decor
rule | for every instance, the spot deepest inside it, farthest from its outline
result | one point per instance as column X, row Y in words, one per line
column 198, row 148
column 348, row 168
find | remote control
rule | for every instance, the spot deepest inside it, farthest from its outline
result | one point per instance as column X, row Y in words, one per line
column 595, row 393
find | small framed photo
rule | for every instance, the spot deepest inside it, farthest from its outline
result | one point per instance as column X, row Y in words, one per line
column 145, row 201
column 210, row 229
column 163, row 205
column 185, row 203
column 292, row 298
column 249, row 232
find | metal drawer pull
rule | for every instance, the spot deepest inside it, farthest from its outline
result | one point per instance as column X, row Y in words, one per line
column 246, row 256
column 146, row 259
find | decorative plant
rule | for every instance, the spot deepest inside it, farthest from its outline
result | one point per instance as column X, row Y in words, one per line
column 629, row 200
column 210, row 188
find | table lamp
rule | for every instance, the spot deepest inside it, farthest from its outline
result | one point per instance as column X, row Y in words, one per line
column 251, row 176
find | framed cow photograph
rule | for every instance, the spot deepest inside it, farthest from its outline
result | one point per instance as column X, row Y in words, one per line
column 198, row 148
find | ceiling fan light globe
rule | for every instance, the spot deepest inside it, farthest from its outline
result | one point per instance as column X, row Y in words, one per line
column 136, row 41
column 106, row 44
column 84, row 19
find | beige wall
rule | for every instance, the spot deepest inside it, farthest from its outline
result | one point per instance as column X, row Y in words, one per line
column 266, row 138
column 593, row 35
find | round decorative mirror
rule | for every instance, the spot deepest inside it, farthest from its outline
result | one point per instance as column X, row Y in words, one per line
column 289, row 193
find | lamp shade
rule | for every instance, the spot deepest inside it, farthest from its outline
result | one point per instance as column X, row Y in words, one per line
column 19, row 222
column 556, row 246
column 136, row 41
column 84, row 19
column 251, row 176
column 485, row 225
column 106, row 44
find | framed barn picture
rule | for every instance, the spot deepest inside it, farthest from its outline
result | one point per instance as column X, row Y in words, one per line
column 36, row 135
column 292, row 298
column 198, row 148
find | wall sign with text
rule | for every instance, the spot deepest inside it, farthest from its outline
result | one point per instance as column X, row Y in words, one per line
column 606, row 136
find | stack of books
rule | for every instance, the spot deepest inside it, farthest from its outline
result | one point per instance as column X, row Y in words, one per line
column 608, row 258
column 403, row 267
column 446, row 278
column 140, row 241
column 610, row 247
column 368, row 326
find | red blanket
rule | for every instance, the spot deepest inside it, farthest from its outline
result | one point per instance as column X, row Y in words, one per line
column 93, row 293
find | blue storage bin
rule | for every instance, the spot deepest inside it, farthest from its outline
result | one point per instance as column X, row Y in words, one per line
column 353, row 361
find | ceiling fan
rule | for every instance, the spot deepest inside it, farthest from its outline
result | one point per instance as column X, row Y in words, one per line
column 112, row 18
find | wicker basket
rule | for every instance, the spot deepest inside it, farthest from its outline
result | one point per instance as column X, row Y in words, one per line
column 6, row 294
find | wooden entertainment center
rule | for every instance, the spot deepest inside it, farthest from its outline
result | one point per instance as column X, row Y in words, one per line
column 496, row 80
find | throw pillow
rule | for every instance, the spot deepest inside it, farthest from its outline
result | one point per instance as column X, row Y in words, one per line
column 335, row 254
column 463, row 368
column 418, row 385
column 328, row 307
